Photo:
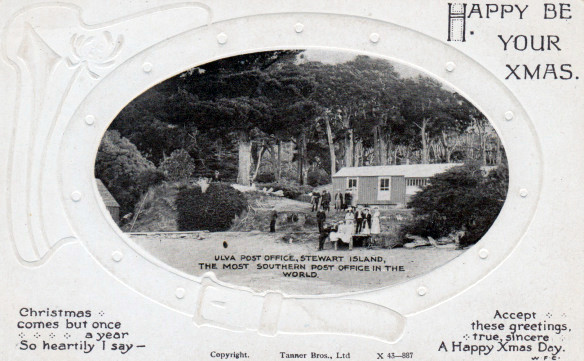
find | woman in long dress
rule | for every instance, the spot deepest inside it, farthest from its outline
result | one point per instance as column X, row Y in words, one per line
column 375, row 223
column 338, row 201
column 349, row 215
column 350, row 218
column 344, row 233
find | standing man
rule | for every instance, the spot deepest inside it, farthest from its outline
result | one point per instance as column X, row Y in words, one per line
column 368, row 218
column 348, row 199
column 320, row 219
column 316, row 203
column 217, row 177
column 358, row 220
column 322, row 231
column 324, row 234
column 326, row 200
column 312, row 200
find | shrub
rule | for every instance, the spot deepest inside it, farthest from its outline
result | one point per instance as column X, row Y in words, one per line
column 461, row 198
column 265, row 178
column 495, row 187
column 179, row 166
column 213, row 210
column 318, row 177
column 149, row 178
column 121, row 166
column 156, row 210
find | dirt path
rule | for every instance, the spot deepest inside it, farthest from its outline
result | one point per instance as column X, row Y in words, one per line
column 329, row 275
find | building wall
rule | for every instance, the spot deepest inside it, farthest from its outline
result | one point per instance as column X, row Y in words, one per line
column 339, row 185
column 367, row 189
column 398, row 190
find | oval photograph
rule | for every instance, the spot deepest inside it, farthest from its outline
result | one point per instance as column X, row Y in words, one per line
column 303, row 171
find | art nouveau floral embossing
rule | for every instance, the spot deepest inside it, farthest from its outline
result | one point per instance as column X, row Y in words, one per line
column 95, row 52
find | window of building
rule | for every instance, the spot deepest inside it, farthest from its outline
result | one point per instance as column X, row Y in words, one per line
column 384, row 184
column 352, row 184
column 419, row 182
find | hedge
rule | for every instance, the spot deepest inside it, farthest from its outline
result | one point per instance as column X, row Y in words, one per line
column 213, row 210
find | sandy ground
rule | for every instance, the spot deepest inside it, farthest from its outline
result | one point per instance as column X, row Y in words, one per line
column 281, row 204
column 391, row 265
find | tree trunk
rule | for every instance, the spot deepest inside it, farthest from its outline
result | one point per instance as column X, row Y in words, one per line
column 346, row 152
column 350, row 153
column 484, row 149
column 279, row 167
column 499, row 152
column 244, row 165
column 424, row 142
column 387, row 154
column 437, row 151
column 329, row 135
column 304, row 165
column 376, row 146
column 302, row 171
column 447, row 149
column 259, row 163
column 358, row 162
column 408, row 154
column 383, row 150
column 274, row 155
column 300, row 159
column 482, row 143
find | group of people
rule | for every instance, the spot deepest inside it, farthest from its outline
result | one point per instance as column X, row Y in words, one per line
column 344, row 200
column 363, row 220
column 321, row 201
column 358, row 221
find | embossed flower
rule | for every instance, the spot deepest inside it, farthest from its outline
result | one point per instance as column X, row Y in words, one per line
column 95, row 52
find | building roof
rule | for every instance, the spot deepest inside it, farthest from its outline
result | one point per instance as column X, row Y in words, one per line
column 106, row 196
column 406, row 170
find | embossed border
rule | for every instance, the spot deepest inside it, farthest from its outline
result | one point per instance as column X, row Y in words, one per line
column 80, row 119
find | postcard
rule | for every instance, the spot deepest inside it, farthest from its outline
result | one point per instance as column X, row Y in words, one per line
column 274, row 180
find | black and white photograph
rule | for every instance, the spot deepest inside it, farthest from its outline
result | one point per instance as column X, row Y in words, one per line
column 306, row 171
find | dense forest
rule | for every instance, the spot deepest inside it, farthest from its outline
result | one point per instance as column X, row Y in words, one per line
column 277, row 116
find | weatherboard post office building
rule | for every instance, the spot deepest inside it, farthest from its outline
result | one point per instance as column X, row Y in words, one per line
column 385, row 186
